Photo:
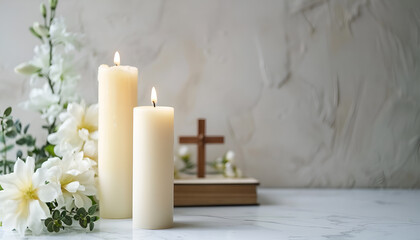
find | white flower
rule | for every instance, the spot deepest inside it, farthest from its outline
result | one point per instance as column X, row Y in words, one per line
column 79, row 131
column 44, row 101
column 51, row 112
column 41, row 58
column 24, row 196
column 41, row 98
column 59, row 35
column 183, row 151
column 219, row 163
column 76, row 177
column 178, row 163
column 229, row 170
column 62, row 70
column 230, row 156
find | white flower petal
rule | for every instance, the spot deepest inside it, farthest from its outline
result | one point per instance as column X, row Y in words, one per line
column 36, row 213
column 81, row 200
column 72, row 187
column 48, row 192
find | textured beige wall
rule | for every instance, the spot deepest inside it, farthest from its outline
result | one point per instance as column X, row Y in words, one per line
column 308, row 93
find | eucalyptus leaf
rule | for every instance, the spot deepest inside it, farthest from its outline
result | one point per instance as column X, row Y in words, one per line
column 67, row 220
column 92, row 209
column 81, row 212
column 11, row 133
column 48, row 221
column 7, row 112
column 83, row 223
column 18, row 126
column 25, row 130
column 7, row 148
column 50, row 226
column 19, row 154
column 56, row 215
column 21, row 141
column 9, row 123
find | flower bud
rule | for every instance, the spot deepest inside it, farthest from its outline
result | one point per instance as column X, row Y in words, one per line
column 27, row 69
column 230, row 156
column 43, row 10
column 35, row 33
column 53, row 4
column 183, row 151
column 41, row 30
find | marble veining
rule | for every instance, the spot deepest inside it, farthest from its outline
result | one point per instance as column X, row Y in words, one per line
column 283, row 214
column 308, row 93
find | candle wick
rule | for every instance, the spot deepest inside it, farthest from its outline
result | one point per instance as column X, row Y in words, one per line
column 154, row 104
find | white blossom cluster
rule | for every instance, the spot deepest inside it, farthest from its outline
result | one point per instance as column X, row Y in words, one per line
column 53, row 79
column 225, row 164
column 26, row 192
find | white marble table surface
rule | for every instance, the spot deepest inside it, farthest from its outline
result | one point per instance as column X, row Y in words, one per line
column 283, row 214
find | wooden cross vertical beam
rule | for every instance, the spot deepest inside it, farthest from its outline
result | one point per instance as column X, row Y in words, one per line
column 201, row 139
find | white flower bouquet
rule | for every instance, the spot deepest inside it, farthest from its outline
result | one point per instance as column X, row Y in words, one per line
column 50, row 185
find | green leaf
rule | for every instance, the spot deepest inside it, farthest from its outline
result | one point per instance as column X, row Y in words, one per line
column 63, row 214
column 11, row 133
column 94, row 219
column 48, row 221
column 18, row 126
column 9, row 123
column 21, row 141
column 83, row 223
column 92, row 209
column 50, row 149
column 19, row 154
column 76, row 217
column 56, row 215
column 91, row 226
column 67, row 220
column 7, row 148
column 30, row 141
column 2, row 138
column 56, row 228
column 25, row 130
column 50, row 226
column 1, row 188
column 81, row 212
column 7, row 112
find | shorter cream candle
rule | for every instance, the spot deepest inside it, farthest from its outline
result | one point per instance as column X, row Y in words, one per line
column 153, row 170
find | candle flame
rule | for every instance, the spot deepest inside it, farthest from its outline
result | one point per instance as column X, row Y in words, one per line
column 117, row 58
column 154, row 96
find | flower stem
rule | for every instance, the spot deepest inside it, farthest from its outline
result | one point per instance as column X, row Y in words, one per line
column 50, row 83
column 5, row 145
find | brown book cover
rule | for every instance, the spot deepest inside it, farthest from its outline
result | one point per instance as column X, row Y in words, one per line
column 215, row 191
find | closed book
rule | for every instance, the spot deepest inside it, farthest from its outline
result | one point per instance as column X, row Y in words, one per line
column 215, row 191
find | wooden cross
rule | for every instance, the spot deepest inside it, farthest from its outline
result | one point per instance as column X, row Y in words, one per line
column 201, row 139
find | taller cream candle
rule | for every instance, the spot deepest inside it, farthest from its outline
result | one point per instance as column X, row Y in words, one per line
column 117, row 98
